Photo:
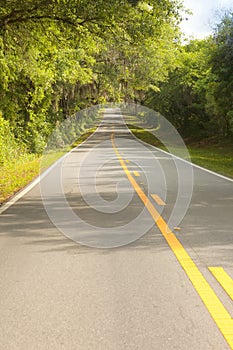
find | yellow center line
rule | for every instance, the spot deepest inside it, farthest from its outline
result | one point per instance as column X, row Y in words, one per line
column 136, row 173
column 224, row 279
column 217, row 310
column 158, row 200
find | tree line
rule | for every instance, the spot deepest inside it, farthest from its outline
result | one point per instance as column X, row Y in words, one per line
column 60, row 56
column 197, row 96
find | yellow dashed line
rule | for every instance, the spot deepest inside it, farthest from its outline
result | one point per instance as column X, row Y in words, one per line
column 224, row 279
column 158, row 200
column 217, row 310
column 136, row 173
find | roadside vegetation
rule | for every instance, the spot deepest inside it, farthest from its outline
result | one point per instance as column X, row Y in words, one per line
column 17, row 173
column 212, row 154
column 218, row 158
column 60, row 57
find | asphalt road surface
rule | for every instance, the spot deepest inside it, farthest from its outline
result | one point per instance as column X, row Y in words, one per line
column 88, row 262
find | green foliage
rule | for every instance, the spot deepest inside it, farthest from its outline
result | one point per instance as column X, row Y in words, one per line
column 221, row 98
column 15, row 176
column 182, row 97
column 197, row 97
column 10, row 150
column 57, row 57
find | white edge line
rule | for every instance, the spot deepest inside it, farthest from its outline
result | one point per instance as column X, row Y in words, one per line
column 37, row 180
column 19, row 195
column 183, row 160
column 195, row 165
column 28, row 187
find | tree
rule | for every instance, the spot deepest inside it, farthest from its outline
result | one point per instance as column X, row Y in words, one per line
column 182, row 98
column 57, row 56
column 221, row 98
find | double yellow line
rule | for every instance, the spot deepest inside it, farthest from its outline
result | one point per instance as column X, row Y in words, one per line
column 218, row 312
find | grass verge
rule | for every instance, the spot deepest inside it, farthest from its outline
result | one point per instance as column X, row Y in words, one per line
column 217, row 157
column 16, row 175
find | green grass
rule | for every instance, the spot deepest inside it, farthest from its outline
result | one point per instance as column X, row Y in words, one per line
column 145, row 136
column 217, row 157
column 16, row 175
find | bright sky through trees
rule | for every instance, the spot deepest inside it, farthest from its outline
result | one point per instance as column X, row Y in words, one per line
column 205, row 15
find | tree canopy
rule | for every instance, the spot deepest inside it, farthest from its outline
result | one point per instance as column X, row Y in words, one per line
column 59, row 56
column 198, row 94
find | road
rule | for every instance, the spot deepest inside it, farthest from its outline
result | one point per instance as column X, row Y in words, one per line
column 117, row 278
